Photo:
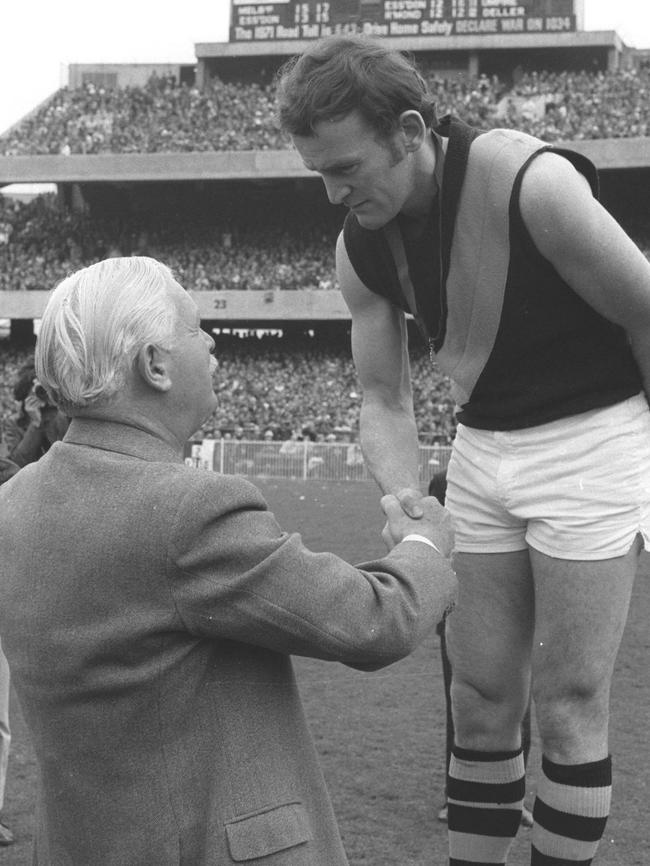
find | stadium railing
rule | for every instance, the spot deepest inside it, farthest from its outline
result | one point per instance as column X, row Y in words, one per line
column 299, row 460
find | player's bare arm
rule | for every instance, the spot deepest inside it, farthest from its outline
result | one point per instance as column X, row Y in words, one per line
column 380, row 350
column 589, row 249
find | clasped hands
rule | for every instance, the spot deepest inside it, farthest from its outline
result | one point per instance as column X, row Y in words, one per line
column 409, row 511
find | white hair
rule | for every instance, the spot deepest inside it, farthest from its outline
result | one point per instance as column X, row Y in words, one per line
column 94, row 325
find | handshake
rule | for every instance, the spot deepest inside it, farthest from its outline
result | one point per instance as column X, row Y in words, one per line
column 410, row 512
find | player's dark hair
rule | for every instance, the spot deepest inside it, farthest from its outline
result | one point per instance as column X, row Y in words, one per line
column 341, row 74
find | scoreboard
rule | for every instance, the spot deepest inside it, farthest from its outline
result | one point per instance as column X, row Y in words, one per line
column 313, row 19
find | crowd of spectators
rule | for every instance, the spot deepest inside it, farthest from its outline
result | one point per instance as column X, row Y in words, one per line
column 162, row 116
column 299, row 387
column 40, row 244
column 310, row 387
column 571, row 106
column 12, row 358
column 168, row 116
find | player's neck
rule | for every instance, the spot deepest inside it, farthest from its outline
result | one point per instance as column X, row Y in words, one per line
column 426, row 183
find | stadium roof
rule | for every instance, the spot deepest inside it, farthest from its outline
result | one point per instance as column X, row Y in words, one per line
column 130, row 167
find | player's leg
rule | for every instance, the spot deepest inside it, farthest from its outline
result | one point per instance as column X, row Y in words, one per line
column 526, row 742
column 489, row 640
column 581, row 609
column 449, row 722
column 489, row 637
column 584, row 524
column 438, row 488
column 526, row 815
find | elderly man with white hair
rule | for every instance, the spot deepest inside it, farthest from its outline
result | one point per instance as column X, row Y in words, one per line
column 150, row 629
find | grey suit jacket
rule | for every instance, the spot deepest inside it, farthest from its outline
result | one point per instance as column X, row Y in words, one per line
column 148, row 611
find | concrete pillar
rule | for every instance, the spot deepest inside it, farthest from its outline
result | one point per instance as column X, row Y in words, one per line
column 612, row 59
column 200, row 75
column 22, row 331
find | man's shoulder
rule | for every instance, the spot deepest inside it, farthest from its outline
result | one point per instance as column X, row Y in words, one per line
column 193, row 503
column 500, row 144
column 197, row 490
column 550, row 162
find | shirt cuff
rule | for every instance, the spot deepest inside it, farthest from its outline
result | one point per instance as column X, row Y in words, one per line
column 415, row 537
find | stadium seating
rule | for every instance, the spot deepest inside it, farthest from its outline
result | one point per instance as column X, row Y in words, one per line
column 288, row 386
column 165, row 116
column 40, row 245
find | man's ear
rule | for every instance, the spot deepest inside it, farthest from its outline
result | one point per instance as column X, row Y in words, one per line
column 414, row 129
column 153, row 366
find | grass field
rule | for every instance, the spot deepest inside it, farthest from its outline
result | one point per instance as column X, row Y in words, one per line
column 381, row 735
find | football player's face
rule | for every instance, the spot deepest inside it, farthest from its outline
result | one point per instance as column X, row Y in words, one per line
column 370, row 175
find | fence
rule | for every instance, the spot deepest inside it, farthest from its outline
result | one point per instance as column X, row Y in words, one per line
column 329, row 461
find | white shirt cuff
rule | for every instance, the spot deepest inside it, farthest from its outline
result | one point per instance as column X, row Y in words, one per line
column 415, row 537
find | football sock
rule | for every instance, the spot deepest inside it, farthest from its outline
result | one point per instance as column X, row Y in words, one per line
column 570, row 812
column 485, row 795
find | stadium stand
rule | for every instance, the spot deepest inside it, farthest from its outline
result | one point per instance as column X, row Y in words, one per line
column 298, row 386
column 162, row 116
column 167, row 116
column 39, row 245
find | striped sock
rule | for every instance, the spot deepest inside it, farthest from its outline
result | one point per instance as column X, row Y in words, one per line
column 486, row 793
column 570, row 812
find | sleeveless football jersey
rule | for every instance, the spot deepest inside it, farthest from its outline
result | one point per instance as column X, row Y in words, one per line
column 520, row 346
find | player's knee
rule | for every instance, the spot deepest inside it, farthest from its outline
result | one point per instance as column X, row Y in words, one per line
column 487, row 717
column 572, row 714
column 571, row 688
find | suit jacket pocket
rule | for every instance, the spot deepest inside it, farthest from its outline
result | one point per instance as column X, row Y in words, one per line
column 261, row 833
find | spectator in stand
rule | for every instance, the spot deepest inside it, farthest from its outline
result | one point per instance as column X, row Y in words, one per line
column 29, row 433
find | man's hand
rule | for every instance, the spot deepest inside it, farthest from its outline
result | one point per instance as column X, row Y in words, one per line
column 411, row 501
column 435, row 523
column 34, row 405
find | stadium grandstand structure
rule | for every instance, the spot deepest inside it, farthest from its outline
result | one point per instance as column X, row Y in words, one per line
column 187, row 163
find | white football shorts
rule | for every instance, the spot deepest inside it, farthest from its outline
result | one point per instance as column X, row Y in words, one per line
column 577, row 488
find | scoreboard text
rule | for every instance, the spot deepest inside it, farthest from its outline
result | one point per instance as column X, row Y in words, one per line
column 313, row 19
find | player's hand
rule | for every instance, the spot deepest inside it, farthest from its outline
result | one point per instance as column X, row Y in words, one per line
column 435, row 523
column 411, row 501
